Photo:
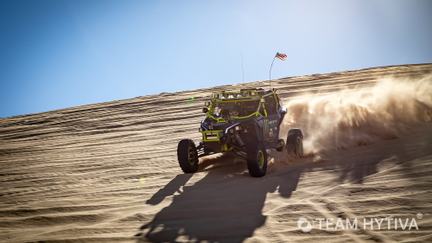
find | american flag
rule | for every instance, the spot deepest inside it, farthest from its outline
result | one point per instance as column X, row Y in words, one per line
column 281, row 56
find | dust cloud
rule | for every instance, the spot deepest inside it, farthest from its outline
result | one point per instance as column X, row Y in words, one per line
column 354, row 117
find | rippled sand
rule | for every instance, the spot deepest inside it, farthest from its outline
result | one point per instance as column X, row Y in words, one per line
column 108, row 172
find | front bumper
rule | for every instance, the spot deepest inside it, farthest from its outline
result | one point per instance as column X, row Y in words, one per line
column 212, row 135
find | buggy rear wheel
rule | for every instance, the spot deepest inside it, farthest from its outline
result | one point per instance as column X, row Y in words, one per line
column 280, row 146
column 294, row 144
column 187, row 156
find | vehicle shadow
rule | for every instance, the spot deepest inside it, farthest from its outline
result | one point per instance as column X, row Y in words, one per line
column 224, row 206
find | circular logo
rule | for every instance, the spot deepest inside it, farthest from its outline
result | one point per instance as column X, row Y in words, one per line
column 304, row 225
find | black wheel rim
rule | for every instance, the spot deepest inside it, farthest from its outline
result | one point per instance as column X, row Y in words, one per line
column 191, row 155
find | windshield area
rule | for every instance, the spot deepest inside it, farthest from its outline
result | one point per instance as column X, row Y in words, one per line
column 234, row 109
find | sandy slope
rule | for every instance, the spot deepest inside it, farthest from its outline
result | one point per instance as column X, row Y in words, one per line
column 109, row 172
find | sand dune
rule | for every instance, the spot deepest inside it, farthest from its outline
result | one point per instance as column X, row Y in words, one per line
column 108, row 171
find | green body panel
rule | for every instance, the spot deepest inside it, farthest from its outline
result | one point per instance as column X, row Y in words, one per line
column 211, row 135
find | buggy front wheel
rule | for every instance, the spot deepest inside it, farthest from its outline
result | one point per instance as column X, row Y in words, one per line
column 187, row 156
column 257, row 161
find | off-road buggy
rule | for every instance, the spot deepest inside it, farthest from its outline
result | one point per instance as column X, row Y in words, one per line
column 246, row 122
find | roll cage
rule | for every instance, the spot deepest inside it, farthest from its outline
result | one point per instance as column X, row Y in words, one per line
column 238, row 97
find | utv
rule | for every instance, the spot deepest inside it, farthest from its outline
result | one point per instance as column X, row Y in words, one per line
column 245, row 122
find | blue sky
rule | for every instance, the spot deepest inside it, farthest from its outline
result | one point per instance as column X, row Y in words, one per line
column 56, row 54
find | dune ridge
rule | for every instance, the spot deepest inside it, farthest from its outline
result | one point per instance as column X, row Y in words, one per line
column 108, row 172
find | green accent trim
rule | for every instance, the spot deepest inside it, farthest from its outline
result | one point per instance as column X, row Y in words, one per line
column 226, row 148
column 212, row 133
column 221, row 120
column 269, row 94
column 218, row 119
column 264, row 109
column 236, row 100
column 244, row 95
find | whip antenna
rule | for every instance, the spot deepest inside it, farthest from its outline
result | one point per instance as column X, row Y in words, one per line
column 280, row 56
column 242, row 66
